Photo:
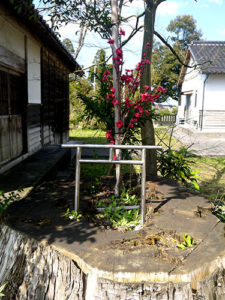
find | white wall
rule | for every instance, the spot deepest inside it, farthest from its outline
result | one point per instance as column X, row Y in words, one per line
column 34, row 71
column 192, row 84
column 215, row 93
column 11, row 36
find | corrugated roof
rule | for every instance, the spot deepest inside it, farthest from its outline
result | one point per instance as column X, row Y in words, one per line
column 209, row 55
column 26, row 12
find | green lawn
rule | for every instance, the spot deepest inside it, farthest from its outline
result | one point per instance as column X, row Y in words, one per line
column 163, row 138
column 211, row 178
column 88, row 136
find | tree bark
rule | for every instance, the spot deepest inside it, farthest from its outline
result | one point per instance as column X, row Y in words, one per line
column 37, row 271
column 147, row 131
column 116, row 85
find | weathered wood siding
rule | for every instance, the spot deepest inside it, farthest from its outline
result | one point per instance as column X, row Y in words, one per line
column 55, row 99
column 11, row 115
column 34, row 126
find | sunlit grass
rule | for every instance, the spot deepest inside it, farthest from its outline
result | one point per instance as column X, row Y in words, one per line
column 164, row 138
column 88, row 136
column 211, row 172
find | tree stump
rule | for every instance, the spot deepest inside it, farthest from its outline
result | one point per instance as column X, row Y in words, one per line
column 35, row 270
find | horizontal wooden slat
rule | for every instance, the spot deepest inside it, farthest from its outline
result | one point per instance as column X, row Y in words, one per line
column 10, row 60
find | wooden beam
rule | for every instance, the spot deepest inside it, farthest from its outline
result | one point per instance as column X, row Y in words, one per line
column 12, row 61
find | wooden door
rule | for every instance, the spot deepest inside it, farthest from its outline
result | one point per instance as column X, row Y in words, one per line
column 11, row 109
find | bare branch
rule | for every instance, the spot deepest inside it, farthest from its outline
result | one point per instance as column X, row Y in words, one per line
column 131, row 35
column 172, row 50
column 135, row 30
column 82, row 36
column 134, row 16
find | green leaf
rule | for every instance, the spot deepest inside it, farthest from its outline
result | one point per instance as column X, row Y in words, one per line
column 1, row 289
column 181, row 246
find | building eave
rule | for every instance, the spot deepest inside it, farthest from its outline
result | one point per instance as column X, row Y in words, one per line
column 29, row 16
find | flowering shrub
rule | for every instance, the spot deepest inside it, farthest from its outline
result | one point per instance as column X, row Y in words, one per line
column 134, row 110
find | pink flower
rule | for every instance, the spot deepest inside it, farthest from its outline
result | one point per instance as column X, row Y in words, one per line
column 147, row 44
column 115, row 102
column 122, row 32
column 112, row 90
column 119, row 124
column 110, row 42
column 147, row 113
column 159, row 89
column 137, row 115
column 112, row 143
column 131, row 125
column 140, row 109
column 114, row 157
column 144, row 54
column 108, row 136
column 106, row 73
column 119, row 52
column 147, row 87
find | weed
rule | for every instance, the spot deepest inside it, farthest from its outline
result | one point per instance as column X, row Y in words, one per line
column 118, row 216
column 1, row 289
column 188, row 242
column 127, row 198
column 176, row 164
column 72, row 215
column 219, row 207
column 93, row 186
column 7, row 198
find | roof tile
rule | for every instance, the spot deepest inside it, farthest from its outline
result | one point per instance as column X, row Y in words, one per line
column 210, row 55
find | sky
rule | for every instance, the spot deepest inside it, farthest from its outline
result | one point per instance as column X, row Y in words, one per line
column 209, row 15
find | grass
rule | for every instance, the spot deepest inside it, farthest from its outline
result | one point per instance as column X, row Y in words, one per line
column 211, row 178
column 163, row 138
column 88, row 136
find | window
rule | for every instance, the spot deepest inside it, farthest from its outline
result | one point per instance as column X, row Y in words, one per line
column 196, row 98
column 10, row 93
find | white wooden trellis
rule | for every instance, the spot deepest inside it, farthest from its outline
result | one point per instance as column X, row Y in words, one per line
column 111, row 148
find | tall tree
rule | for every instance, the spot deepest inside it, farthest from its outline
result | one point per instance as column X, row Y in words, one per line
column 69, row 45
column 184, row 30
column 147, row 130
column 97, row 69
column 165, row 66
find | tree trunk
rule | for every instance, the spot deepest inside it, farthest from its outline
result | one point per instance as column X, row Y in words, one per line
column 116, row 85
column 34, row 271
column 147, row 131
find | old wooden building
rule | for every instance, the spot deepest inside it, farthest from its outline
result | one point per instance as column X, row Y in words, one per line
column 34, row 89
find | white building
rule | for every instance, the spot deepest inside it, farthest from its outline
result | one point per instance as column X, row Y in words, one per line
column 202, row 103
column 34, row 84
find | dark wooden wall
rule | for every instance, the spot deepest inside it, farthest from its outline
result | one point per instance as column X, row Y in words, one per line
column 55, row 99
column 11, row 115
